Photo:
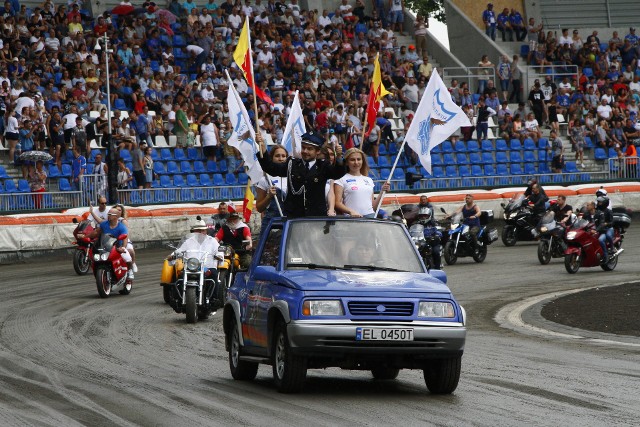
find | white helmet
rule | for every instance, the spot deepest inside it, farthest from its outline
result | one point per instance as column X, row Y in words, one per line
column 199, row 225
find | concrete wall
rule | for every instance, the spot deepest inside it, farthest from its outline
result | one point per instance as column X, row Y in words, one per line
column 474, row 8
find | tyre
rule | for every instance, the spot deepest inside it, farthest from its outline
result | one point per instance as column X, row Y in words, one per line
column 481, row 255
column 166, row 293
column 222, row 286
column 544, row 254
column 203, row 313
column 81, row 263
column 442, row 375
column 240, row 370
column 289, row 370
column 571, row 263
column 191, row 303
column 127, row 288
column 509, row 237
column 385, row 373
column 449, row 256
column 103, row 281
column 611, row 265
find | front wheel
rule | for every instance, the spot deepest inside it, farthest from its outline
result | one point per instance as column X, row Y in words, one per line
column 166, row 293
column 481, row 255
column 449, row 253
column 571, row 263
column 509, row 237
column 240, row 370
column 442, row 375
column 289, row 370
column 81, row 263
column 544, row 254
column 385, row 373
column 191, row 304
column 103, row 281
column 222, row 286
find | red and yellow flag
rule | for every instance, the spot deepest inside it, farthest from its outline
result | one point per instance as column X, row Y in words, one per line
column 242, row 57
column 247, row 204
column 376, row 93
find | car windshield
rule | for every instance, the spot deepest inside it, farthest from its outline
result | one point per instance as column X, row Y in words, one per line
column 350, row 245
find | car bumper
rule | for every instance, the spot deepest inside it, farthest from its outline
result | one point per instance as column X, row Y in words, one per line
column 322, row 339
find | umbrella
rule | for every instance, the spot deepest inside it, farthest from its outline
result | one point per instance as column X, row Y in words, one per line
column 171, row 18
column 122, row 9
column 34, row 156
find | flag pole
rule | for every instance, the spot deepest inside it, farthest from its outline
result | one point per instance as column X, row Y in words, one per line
column 393, row 168
column 253, row 81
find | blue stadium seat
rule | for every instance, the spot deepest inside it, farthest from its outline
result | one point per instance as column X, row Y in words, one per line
column 178, row 154
column 487, row 158
column 448, row 159
column 90, row 167
column 570, row 167
column 199, row 194
column 603, row 47
column 158, row 168
column 475, row 98
column 461, row 159
column 501, row 170
column 382, row 150
column 179, row 40
column 192, row 181
column 529, row 156
column 398, row 173
column 542, row 155
column 54, row 172
column 23, row 186
column 460, row 147
column 212, row 167
column 437, row 149
column 205, row 180
column 371, row 162
column 218, row 180
column 66, row 170
column 437, row 172
column 464, row 171
column 222, row 166
column 193, row 153
column 515, row 157
column 185, row 167
column 475, row 158
column 516, row 169
column 600, row 154
column 63, row 184
column 436, row 159
column 178, row 181
column 476, row 170
column 501, row 145
column 612, row 152
column 119, row 104
column 383, row 162
column 524, row 50
column 155, row 155
column 374, row 174
column 473, row 146
column 393, row 149
column 447, row 147
column 501, row 157
column 243, row 178
column 529, row 144
column 165, row 181
column 178, row 53
column 451, row 171
column 172, row 168
column 530, row 169
column 543, row 168
column 231, row 179
column 385, row 173
column 198, row 167
column 489, row 170
column 165, row 154
column 125, row 155
column 487, row 145
column 588, row 142
column 543, row 143
column 515, row 144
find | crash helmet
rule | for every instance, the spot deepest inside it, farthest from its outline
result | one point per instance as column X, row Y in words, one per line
column 425, row 213
column 602, row 202
column 601, row 192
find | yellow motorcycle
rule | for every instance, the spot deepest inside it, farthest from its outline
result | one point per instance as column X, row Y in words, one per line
column 227, row 268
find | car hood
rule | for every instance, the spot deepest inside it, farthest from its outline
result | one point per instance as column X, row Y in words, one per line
column 371, row 281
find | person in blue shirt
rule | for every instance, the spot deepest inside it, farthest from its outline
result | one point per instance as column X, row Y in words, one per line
column 633, row 39
column 504, row 25
column 78, row 167
column 517, row 24
column 25, row 138
column 489, row 19
column 189, row 5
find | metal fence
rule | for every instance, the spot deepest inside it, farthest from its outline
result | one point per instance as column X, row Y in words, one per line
column 533, row 72
column 623, row 168
column 470, row 75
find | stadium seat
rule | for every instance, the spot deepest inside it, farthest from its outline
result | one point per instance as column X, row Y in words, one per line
column 179, row 40
column 487, row 145
column 464, row 171
column 570, row 167
column 218, row 180
column 475, row 158
column 487, row 158
column 185, row 167
column 437, row 172
column 447, row 147
column 437, row 149
column 212, row 167
column 165, row 181
column 501, row 157
column 516, row 169
column 600, row 154
column 451, row 171
column 529, row 144
column 543, row 168
column 543, row 143
column 398, row 173
column 476, row 170
column 436, row 159
column 515, row 144
column 192, row 181
column 119, row 104
column 374, row 174
column 371, row 162
column 383, row 162
column 193, row 153
column 243, row 178
column 178, row 181
column 612, row 152
column 515, row 157
column 385, row 173
column 66, row 170
column 155, row 155
column 588, row 143
column 178, row 154
column 448, row 159
column 489, row 170
column 54, row 172
column 461, row 159
column 23, row 186
column 205, row 180
column 460, row 147
column 473, row 146
column 501, row 170
column 530, row 169
column 172, row 168
column 159, row 169
column 222, row 166
column 198, row 167
column 475, row 98
column 524, row 50
column 542, row 155
column 393, row 149
column 382, row 150
column 603, row 47
column 501, row 145
column 63, row 184
column 90, row 167
column 125, row 155
column 529, row 156
column 231, row 179
column 165, row 154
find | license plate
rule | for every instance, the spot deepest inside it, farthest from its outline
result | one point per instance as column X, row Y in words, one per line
column 384, row 334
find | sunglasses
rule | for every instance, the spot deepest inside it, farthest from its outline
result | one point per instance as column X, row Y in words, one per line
column 112, row 214
column 101, row 203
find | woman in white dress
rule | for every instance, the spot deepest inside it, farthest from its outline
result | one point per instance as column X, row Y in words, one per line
column 266, row 194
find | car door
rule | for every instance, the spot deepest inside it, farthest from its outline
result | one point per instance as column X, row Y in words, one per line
column 260, row 293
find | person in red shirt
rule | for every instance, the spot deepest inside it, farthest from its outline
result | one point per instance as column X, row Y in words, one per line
column 631, row 160
column 322, row 120
column 101, row 27
column 237, row 234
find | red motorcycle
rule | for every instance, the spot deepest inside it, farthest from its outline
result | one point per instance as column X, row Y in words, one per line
column 109, row 268
column 83, row 254
column 583, row 247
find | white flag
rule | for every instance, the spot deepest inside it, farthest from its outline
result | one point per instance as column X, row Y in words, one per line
column 436, row 118
column 292, row 138
column 243, row 136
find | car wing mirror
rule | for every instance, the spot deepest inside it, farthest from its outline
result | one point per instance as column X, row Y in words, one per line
column 265, row 273
column 443, row 211
column 439, row 274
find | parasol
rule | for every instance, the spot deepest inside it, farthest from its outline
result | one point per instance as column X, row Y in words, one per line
column 122, row 9
column 34, row 156
column 170, row 17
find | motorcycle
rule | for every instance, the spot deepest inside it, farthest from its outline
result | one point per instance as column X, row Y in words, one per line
column 427, row 238
column 83, row 254
column 109, row 268
column 551, row 233
column 227, row 268
column 520, row 221
column 460, row 243
column 584, row 249
column 194, row 292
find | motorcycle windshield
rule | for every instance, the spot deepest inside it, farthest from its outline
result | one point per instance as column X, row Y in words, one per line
column 456, row 220
column 417, row 231
column 514, row 203
column 107, row 241
column 199, row 246
column 548, row 219
column 579, row 223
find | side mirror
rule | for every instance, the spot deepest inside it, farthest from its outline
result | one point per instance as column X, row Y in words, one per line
column 199, row 218
column 265, row 273
column 74, row 220
column 443, row 211
column 503, row 205
column 122, row 236
column 439, row 274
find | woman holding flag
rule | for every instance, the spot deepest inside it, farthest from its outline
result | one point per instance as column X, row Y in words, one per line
column 266, row 194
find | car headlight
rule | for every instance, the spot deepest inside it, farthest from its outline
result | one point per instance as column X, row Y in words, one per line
column 322, row 308
column 193, row 264
column 571, row 235
column 436, row 309
column 96, row 257
column 543, row 229
column 104, row 256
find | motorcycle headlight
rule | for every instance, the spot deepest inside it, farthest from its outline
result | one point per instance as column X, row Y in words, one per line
column 571, row 235
column 513, row 215
column 543, row 229
column 436, row 309
column 228, row 251
column 104, row 256
column 96, row 257
column 193, row 264
column 322, row 308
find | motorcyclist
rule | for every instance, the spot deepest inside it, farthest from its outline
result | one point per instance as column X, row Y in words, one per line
column 237, row 234
column 220, row 218
column 562, row 210
column 606, row 230
column 100, row 214
column 538, row 198
column 601, row 192
column 424, row 202
column 426, row 218
column 597, row 218
column 198, row 240
column 530, row 184
column 471, row 214
column 115, row 228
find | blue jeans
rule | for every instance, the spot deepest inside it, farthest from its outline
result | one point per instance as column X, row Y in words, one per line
column 482, row 130
column 491, row 32
column 606, row 237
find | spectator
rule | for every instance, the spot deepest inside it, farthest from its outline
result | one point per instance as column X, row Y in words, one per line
column 504, row 74
column 517, row 24
column 485, row 70
column 577, row 140
column 504, row 25
column 557, row 162
column 78, row 168
column 489, row 20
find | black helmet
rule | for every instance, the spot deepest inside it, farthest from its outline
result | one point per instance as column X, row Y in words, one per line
column 602, row 202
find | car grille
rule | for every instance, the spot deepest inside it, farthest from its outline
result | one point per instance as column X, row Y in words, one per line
column 374, row 308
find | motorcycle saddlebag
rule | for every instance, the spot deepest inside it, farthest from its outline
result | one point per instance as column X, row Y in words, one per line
column 486, row 217
column 621, row 220
column 166, row 278
column 490, row 235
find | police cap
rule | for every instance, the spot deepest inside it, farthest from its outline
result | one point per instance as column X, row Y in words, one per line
column 312, row 138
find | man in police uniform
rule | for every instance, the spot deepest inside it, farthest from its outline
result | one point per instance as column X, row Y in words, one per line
column 306, row 177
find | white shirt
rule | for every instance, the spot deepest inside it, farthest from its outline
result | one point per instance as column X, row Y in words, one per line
column 209, row 137
column 357, row 193
column 604, row 111
column 69, row 121
column 410, row 92
column 192, row 48
column 198, row 243
column 323, row 21
column 531, row 125
column 234, row 21
column 278, row 182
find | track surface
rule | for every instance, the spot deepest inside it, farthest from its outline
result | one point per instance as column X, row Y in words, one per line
column 70, row 358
